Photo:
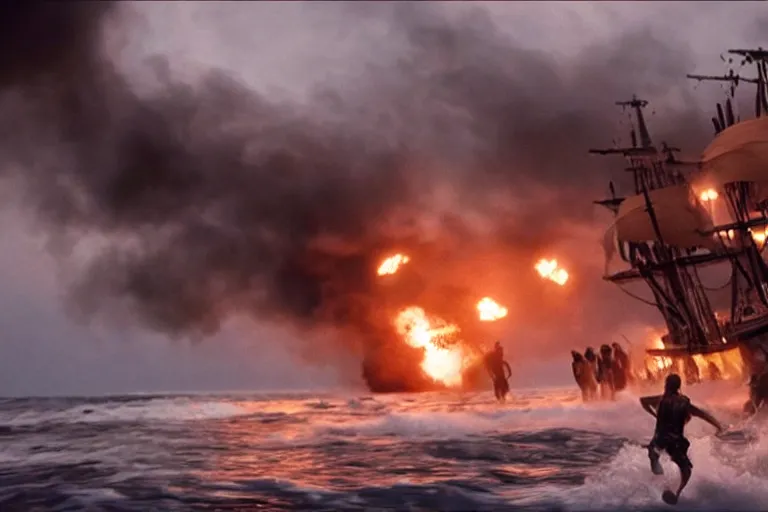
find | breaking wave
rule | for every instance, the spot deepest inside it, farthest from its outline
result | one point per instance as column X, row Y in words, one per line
column 448, row 451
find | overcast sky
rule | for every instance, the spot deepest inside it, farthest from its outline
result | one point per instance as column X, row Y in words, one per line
column 284, row 49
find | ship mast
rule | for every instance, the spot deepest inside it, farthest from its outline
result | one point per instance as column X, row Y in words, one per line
column 665, row 251
column 668, row 271
column 750, row 273
column 757, row 57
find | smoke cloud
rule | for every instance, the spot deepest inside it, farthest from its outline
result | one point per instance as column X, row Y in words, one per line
column 207, row 199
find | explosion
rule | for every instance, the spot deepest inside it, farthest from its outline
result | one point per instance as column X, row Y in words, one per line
column 709, row 195
column 392, row 264
column 445, row 356
column 548, row 269
column 489, row 310
column 441, row 362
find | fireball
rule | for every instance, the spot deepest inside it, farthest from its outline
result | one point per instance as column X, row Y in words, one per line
column 759, row 235
column 489, row 310
column 549, row 269
column 709, row 195
column 392, row 264
column 441, row 362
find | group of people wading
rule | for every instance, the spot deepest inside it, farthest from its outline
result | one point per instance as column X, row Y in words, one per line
column 598, row 376
column 601, row 376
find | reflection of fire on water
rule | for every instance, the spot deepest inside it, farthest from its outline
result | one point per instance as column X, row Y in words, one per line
column 441, row 362
column 392, row 264
column 549, row 269
column 489, row 310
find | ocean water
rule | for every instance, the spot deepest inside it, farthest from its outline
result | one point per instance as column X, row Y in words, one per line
column 543, row 450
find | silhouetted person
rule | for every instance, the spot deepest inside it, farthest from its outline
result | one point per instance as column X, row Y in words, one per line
column 758, row 384
column 580, row 369
column 691, row 370
column 758, row 393
column 584, row 376
column 504, row 381
column 714, row 372
column 672, row 411
column 591, row 359
column 623, row 374
column 496, row 368
column 605, row 371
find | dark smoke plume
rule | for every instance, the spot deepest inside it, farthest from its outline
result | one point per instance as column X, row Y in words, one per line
column 210, row 199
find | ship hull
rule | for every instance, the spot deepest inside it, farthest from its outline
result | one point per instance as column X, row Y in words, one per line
column 742, row 354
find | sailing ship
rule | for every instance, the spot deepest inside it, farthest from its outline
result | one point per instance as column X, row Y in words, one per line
column 683, row 216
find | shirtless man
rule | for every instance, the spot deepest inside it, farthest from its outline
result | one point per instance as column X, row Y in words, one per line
column 672, row 411
column 758, row 393
column 623, row 375
column 584, row 376
column 606, row 369
column 758, row 386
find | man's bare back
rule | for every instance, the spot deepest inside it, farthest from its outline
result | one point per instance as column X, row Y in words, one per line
column 673, row 411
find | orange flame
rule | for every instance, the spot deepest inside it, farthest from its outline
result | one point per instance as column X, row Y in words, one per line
column 548, row 269
column 392, row 264
column 759, row 235
column 661, row 362
column 709, row 195
column 442, row 364
column 489, row 310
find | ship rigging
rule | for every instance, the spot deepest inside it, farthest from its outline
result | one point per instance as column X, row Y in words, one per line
column 682, row 216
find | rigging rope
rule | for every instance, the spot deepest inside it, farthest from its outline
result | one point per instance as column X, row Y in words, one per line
column 727, row 282
column 636, row 297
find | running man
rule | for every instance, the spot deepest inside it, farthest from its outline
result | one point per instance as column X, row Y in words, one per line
column 672, row 411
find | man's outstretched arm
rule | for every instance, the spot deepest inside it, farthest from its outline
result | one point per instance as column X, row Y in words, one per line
column 699, row 413
column 651, row 404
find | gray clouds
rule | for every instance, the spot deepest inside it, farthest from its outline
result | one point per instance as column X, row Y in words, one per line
column 213, row 195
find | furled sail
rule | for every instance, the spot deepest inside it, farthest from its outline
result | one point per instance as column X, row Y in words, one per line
column 738, row 153
column 682, row 220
